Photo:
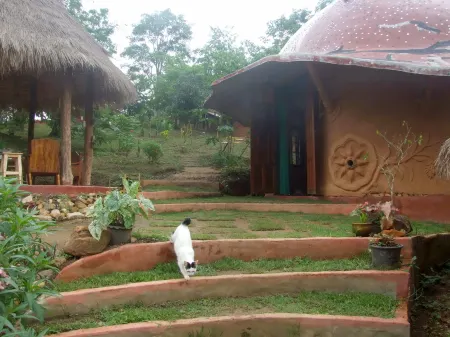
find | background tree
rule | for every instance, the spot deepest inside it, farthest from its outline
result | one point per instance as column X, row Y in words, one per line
column 155, row 39
column 280, row 30
column 321, row 4
column 96, row 22
column 222, row 54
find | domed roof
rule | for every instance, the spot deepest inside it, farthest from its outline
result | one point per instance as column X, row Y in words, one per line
column 416, row 31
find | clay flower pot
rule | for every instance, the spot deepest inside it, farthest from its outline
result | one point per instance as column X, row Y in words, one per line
column 365, row 229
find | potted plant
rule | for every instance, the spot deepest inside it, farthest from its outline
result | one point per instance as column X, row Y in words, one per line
column 117, row 212
column 386, row 252
column 369, row 216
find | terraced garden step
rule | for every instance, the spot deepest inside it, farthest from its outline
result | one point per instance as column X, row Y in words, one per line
column 348, row 304
column 226, row 266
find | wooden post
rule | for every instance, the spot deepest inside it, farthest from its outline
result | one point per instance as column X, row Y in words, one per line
column 66, row 137
column 32, row 112
column 310, row 142
column 88, row 132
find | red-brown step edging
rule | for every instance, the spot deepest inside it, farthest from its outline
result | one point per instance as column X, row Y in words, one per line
column 343, row 209
column 280, row 325
column 390, row 283
column 141, row 257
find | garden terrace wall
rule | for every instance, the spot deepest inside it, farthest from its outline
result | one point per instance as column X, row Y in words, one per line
column 424, row 208
column 141, row 257
column 390, row 283
column 280, row 325
column 64, row 189
column 430, row 252
column 187, row 183
column 162, row 195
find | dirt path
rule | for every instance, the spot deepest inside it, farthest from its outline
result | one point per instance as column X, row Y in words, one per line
column 196, row 174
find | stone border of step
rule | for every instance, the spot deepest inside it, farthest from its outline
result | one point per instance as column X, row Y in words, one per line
column 145, row 256
column 280, row 325
column 79, row 302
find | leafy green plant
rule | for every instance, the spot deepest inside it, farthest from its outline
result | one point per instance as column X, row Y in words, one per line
column 153, row 151
column 235, row 180
column 383, row 240
column 126, row 143
column 118, row 208
column 23, row 259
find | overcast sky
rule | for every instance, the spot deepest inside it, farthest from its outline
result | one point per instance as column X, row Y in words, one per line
column 247, row 17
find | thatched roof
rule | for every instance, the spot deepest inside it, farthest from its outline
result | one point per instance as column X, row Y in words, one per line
column 38, row 38
column 443, row 161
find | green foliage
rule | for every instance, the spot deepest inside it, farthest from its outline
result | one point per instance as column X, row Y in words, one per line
column 118, row 208
column 279, row 31
column 96, row 22
column 153, row 151
column 221, row 55
column 155, row 39
column 232, row 175
column 321, row 4
column 126, row 143
column 23, row 258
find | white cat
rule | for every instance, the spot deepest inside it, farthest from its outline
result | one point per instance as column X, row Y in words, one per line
column 182, row 244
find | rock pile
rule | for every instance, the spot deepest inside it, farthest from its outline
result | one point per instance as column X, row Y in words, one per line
column 61, row 207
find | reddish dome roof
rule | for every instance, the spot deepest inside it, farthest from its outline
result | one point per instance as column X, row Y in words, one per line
column 416, row 31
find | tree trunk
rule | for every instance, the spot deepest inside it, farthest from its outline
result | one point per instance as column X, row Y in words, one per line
column 88, row 133
column 32, row 115
column 66, row 137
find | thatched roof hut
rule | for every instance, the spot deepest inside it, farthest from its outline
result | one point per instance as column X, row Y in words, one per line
column 39, row 38
column 49, row 62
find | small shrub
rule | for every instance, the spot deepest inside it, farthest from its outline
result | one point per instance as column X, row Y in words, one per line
column 153, row 151
column 23, row 258
column 126, row 143
column 235, row 180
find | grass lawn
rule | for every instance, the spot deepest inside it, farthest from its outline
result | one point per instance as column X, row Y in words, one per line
column 109, row 164
column 211, row 225
column 230, row 199
column 225, row 266
column 158, row 188
column 350, row 304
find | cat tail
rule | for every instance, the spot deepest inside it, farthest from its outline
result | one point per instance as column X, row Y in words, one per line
column 186, row 222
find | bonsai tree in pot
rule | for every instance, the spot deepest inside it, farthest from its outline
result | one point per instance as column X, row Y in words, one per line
column 117, row 212
column 386, row 252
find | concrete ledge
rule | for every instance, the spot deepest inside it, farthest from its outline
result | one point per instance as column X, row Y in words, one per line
column 161, row 195
column 390, row 283
column 188, row 183
column 343, row 209
column 141, row 257
column 64, row 189
column 280, row 325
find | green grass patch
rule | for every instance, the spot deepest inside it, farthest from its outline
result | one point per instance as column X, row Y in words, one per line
column 269, row 224
column 231, row 199
column 348, row 304
column 157, row 188
column 168, row 271
column 203, row 236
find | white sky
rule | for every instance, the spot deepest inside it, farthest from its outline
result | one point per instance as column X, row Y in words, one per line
column 247, row 17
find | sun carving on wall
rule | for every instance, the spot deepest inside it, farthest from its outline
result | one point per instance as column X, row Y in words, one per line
column 353, row 163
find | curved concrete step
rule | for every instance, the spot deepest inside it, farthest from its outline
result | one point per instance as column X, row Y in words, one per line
column 81, row 302
column 280, row 325
column 141, row 257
